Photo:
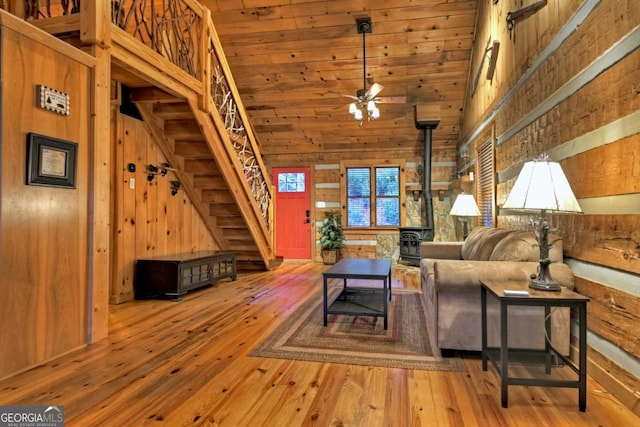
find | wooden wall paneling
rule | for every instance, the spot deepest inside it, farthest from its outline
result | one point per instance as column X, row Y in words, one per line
column 153, row 213
column 142, row 154
column 328, row 194
column 44, row 245
column 177, row 216
column 199, row 235
column 162, row 208
column 128, row 201
column 118, row 207
column 327, row 175
column 612, row 169
column 612, row 314
column 609, row 240
column 204, row 238
column 187, row 223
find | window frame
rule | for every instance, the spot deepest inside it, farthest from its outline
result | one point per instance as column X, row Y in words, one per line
column 372, row 165
column 486, row 185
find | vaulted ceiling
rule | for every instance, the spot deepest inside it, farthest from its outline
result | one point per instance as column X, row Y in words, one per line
column 293, row 60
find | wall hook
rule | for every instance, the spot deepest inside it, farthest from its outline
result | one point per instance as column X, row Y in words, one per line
column 151, row 172
column 175, row 186
column 162, row 170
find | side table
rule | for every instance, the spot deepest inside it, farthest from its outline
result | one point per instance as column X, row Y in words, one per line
column 500, row 355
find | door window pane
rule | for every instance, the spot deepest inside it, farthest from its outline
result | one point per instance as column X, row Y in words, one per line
column 291, row 182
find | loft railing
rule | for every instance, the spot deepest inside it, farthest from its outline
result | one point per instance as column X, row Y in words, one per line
column 176, row 29
column 172, row 28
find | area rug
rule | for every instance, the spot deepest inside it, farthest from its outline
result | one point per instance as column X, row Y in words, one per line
column 359, row 340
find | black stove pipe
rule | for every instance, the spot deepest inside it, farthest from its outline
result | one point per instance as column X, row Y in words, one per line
column 428, row 126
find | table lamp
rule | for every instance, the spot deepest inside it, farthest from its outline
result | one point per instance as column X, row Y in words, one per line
column 542, row 186
column 464, row 206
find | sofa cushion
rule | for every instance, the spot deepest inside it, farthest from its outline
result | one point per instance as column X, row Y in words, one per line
column 469, row 243
column 440, row 250
column 523, row 246
column 484, row 244
column 465, row 276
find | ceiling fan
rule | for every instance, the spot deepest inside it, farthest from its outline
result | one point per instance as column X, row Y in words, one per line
column 366, row 99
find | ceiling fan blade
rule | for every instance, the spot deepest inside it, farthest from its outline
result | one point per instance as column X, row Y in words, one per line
column 355, row 98
column 373, row 91
column 391, row 100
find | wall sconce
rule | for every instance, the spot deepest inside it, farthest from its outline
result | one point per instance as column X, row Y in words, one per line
column 493, row 59
column 175, row 186
column 492, row 51
column 162, row 170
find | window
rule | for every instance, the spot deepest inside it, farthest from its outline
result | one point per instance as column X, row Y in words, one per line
column 291, row 182
column 373, row 196
column 486, row 183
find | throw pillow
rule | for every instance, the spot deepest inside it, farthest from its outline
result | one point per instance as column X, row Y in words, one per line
column 523, row 246
column 517, row 246
column 484, row 247
column 472, row 239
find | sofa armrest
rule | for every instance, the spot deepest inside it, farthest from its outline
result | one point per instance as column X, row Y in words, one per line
column 441, row 250
column 465, row 276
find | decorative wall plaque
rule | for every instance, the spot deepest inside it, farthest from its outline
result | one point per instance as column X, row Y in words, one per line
column 52, row 100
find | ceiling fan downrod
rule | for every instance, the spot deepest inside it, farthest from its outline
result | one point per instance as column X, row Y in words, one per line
column 363, row 103
column 364, row 27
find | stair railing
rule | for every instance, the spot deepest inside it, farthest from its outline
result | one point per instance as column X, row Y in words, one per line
column 182, row 32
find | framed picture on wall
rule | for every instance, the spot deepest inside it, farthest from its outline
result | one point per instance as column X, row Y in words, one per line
column 50, row 161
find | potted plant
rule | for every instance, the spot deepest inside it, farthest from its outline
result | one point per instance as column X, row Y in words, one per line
column 332, row 239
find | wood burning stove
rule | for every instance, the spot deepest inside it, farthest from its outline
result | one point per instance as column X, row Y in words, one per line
column 410, row 239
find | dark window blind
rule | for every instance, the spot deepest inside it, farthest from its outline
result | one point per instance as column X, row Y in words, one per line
column 486, row 183
column 358, row 197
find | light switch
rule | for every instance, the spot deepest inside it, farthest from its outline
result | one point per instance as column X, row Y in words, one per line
column 132, row 183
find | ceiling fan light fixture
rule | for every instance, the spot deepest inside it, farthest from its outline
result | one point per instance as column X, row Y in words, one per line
column 352, row 108
column 374, row 114
column 371, row 106
column 358, row 114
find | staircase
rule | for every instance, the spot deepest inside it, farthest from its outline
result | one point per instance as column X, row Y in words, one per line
column 171, row 60
column 193, row 145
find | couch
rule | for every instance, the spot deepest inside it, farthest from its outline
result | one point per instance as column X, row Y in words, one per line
column 450, row 280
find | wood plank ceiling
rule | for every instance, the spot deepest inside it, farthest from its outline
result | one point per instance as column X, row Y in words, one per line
column 291, row 60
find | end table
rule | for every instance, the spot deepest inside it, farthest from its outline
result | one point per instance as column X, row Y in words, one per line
column 530, row 297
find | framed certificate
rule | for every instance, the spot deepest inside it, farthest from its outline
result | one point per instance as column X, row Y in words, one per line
column 51, row 161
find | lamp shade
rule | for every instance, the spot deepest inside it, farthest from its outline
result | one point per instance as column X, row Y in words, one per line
column 542, row 185
column 465, row 205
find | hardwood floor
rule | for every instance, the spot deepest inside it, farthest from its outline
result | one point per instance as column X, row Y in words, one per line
column 168, row 363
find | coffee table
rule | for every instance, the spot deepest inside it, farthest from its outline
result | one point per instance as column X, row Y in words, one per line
column 359, row 300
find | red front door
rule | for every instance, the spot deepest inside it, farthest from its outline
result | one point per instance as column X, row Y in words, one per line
column 293, row 213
